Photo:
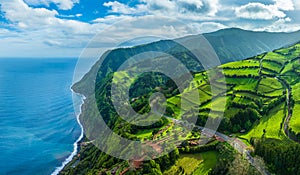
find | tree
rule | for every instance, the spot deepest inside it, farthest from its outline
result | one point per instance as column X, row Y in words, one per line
column 248, row 125
column 239, row 166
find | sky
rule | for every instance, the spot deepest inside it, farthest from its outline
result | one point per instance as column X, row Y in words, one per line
column 63, row 28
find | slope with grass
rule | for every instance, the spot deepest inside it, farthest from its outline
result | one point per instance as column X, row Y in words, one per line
column 256, row 92
column 196, row 164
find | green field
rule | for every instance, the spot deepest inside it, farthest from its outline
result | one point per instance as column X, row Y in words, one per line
column 296, row 92
column 144, row 134
column 240, row 64
column 271, row 124
column 197, row 164
column 295, row 120
column 272, row 66
column 242, row 83
column 290, row 66
column 209, row 161
column 241, row 72
column 276, row 57
column 270, row 87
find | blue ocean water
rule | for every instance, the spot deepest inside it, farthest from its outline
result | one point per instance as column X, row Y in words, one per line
column 38, row 124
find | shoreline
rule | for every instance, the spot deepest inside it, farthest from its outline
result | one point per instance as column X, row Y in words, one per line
column 76, row 143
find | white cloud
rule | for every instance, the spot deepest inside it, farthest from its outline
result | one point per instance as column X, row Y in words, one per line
column 281, row 25
column 285, row 5
column 22, row 16
column 19, row 13
column 110, row 19
column 117, row 7
column 62, row 4
column 183, row 9
column 41, row 31
column 259, row 11
column 206, row 27
column 297, row 4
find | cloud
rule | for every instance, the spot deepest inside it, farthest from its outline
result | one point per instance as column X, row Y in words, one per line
column 41, row 29
column 111, row 19
column 206, row 27
column 38, row 30
column 259, row 11
column 71, row 16
column 285, row 5
column 52, row 43
column 281, row 25
column 22, row 15
column 197, row 6
column 117, row 7
column 61, row 4
column 296, row 4
column 160, row 5
column 192, row 9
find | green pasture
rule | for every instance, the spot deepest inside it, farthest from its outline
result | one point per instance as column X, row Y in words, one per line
column 295, row 120
column 197, row 164
column 271, row 124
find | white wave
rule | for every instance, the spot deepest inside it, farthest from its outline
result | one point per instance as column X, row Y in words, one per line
column 75, row 150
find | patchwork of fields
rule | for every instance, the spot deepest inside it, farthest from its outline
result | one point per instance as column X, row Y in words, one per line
column 260, row 84
column 257, row 97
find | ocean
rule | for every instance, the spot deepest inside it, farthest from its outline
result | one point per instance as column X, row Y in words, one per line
column 38, row 125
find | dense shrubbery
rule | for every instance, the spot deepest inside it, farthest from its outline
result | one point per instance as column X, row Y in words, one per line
column 243, row 120
column 159, row 165
column 242, row 67
column 295, row 136
column 281, row 157
column 198, row 149
column 243, row 76
column 273, row 104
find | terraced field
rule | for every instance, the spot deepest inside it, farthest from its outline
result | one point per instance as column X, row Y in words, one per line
column 295, row 120
column 257, row 97
column 262, row 84
column 269, row 126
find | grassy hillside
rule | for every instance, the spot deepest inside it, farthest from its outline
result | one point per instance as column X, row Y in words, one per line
column 262, row 99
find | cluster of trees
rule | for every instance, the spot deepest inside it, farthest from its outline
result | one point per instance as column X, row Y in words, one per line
column 243, row 76
column 243, row 119
column 159, row 165
column 252, row 93
column 243, row 106
column 198, row 149
column 273, row 104
column 90, row 160
column 294, row 59
column 242, row 67
column 225, row 158
column 281, row 158
column 295, row 136
column 160, row 123
column 258, row 102
column 231, row 163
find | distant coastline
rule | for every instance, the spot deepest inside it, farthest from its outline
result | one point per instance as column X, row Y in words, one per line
column 76, row 143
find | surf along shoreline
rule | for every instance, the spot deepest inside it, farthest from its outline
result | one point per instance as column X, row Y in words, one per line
column 76, row 144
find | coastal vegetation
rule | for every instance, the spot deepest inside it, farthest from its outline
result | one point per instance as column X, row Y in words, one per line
column 262, row 96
